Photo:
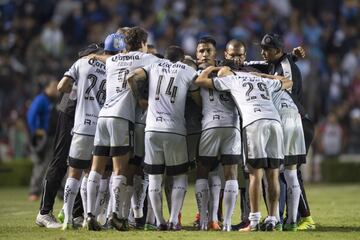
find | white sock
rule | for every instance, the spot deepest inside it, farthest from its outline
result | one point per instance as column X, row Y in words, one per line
column 177, row 196
column 92, row 190
column 202, row 199
column 127, row 201
column 155, row 182
column 150, row 216
column 215, row 187
column 168, row 185
column 137, row 200
column 101, row 197
column 118, row 190
column 83, row 194
column 231, row 192
column 254, row 219
column 70, row 191
column 111, row 197
column 271, row 219
column 293, row 194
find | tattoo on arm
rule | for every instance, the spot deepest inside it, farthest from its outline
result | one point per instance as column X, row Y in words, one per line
column 138, row 84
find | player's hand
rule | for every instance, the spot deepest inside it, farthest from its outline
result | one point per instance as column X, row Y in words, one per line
column 143, row 104
column 299, row 52
column 224, row 71
column 211, row 69
column 40, row 133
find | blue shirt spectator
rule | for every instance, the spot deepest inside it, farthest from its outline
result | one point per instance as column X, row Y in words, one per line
column 39, row 113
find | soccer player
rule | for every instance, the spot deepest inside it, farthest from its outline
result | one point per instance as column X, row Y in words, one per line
column 165, row 132
column 220, row 138
column 89, row 76
column 264, row 136
column 114, row 132
column 205, row 56
column 234, row 57
column 58, row 164
column 280, row 63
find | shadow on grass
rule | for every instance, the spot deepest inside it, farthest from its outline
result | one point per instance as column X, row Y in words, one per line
column 321, row 228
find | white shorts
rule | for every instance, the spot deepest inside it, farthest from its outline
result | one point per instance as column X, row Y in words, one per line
column 165, row 151
column 113, row 137
column 80, row 153
column 264, row 143
column 294, row 141
column 222, row 142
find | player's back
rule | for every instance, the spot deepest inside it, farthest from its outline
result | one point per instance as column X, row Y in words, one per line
column 168, row 86
column 90, row 80
column 283, row 101
column 252, row 95
column 120, row 101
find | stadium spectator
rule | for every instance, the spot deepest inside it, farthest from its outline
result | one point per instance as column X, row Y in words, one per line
column 40, row 118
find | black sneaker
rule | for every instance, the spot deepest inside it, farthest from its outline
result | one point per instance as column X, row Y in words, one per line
column 118, row 223
column 267, row 226
column 162, row 227
column 92, row 224
column 239, row 226
column 174, row 227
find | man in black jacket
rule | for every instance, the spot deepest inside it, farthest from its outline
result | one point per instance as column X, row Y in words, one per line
column 280, row 63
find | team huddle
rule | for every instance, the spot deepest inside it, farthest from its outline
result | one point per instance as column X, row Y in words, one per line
column 142, row 120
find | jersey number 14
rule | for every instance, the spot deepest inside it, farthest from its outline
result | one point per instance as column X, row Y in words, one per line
column 170, row 89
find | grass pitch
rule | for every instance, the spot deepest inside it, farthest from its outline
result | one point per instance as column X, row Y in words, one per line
column 335, row 208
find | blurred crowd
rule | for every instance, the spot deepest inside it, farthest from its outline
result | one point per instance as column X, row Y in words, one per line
column 39, row 40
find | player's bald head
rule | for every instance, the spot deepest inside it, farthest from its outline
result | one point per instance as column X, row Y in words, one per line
column 235, row 43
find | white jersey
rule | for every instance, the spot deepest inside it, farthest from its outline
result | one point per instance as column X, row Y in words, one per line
column 90, row 78
column 218, row 109
column 168, row 86
column 252, row 95
column 120, row 101
column 283, row 101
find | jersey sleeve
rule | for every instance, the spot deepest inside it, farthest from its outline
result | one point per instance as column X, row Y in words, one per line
column 147, row 69
column 273, row 85
column 73, row 72
column 192, row 74
column 223, row 83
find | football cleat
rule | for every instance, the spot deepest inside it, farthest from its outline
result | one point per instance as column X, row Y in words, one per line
column 214, row 226
column 306, row 223
column 47, row 220
column 290, row 227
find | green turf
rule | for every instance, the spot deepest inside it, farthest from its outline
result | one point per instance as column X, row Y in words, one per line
column 336, row 210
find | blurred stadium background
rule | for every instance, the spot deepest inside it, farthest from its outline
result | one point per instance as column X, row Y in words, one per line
column 39, row 40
